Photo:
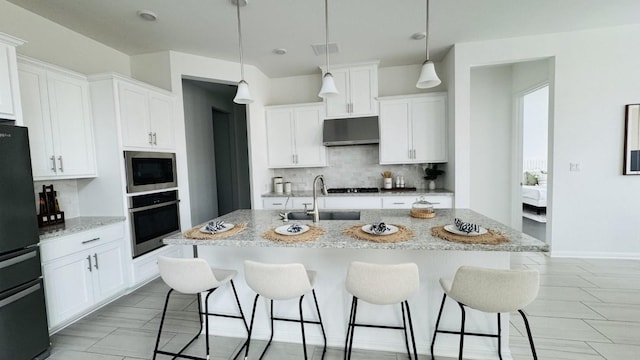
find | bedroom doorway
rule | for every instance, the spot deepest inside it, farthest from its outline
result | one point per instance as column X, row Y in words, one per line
column 533, row 114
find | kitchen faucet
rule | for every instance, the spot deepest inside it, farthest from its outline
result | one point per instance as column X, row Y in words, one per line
column 315, row 211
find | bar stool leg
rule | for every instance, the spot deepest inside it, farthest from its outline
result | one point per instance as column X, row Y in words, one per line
column 244, row 320
column 433, row 341
column 404, row 328
column 353, row 325
column 499, row 337
column 164, row 312
column 270, row 337
column 324, row 336
column 526, row 324
column 346, row 341
column 461, row 331
column 206, row 321
column 304, row 341
column 253, row 315
column 413, row 338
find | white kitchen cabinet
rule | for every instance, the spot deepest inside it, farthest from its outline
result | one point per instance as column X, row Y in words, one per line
column 405, row 202
column 146, row 116
column 357, row 91
column 294, row 136
column 413, row 129
column 9, row 90
column 353, row 202
column 57, row 112
column 294, row 203
column 82, row 271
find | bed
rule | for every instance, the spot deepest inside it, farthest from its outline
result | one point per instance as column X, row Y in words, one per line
column 535, row 195
column 534, row 188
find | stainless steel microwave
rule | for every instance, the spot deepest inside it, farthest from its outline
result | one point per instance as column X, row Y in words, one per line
column 147, row 171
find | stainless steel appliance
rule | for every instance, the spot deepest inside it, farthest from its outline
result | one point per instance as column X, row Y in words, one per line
column 23, row 318
column 153, row 217
column 148, row 171
column 351, row 131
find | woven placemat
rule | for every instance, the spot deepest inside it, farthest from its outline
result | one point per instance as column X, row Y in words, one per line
column 313, row 234
column 195, row 233
column 492, row 237
column 356, row 232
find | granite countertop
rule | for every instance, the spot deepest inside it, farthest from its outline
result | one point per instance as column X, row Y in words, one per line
column 417, row 192
column 259, row 221
column 78, row 224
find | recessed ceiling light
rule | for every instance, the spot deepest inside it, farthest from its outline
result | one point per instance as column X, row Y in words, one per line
column 419, row 36
column 147, row 15
column 280, row 51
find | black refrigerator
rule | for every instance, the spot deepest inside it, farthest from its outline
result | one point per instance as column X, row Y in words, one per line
column 24, row 331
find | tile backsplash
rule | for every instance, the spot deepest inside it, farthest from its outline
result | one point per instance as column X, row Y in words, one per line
column 67, row 195
column 353, row 166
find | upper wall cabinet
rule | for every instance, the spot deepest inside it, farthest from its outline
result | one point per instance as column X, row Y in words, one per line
column 413, row 129
column 9, row 90
column 357, row 91
column 56, row 109
column 294, row 136
column 146, row 116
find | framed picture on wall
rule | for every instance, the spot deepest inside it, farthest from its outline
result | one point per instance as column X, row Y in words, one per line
column 632, row 140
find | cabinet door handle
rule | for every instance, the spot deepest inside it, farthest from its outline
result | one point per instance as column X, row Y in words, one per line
column 53, row 162
column 90, row 240
column 89, row 260
column 150, row 139
column 398, row 203
column 155, row 139
column 277, row 203
column 95, row 256
column 60, row 161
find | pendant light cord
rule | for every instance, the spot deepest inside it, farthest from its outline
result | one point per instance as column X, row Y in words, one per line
column 427, row 34
column 240, row 40
column 326, row 32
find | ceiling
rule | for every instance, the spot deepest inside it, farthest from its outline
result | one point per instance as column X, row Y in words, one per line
column 364, row 30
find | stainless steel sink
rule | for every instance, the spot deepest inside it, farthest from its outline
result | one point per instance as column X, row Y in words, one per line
column 327, row 215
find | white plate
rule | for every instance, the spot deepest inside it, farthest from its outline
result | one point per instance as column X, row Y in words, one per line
column 454, row 230
column 390, row 230
column 282, row 230
column 226, row 227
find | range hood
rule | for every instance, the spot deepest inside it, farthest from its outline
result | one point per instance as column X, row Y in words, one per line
column 350, row 131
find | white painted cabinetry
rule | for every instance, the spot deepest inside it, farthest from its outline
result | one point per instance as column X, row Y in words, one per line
column 413, row 129
column 405, row 202
column 294, row 203
column 294, row 136
column 82, row 271
column 357, row 91
column 57, row 111
column 9, row 90
column 353, row 202
column 357, row 202
column 147, row 117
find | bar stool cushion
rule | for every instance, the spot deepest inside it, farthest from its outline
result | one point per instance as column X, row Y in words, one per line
column 278, row 281
column 192, row 276
column 493, row 290
column 382, row 284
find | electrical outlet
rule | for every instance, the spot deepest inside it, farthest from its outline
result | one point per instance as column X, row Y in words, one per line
column 574, row 166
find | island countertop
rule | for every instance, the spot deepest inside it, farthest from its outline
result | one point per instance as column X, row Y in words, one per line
column 260, row 221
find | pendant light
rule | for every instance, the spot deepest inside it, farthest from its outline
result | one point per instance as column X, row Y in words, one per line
column 328, row 85
column 428, row 77
column 243, row 96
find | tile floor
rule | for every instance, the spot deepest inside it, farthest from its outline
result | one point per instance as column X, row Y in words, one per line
column 586, row 309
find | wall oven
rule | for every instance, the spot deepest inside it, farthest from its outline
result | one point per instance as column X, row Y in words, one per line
column 153, row 217
column 148, row 171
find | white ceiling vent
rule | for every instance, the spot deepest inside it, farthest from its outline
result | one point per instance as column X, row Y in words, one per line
column 318, row 49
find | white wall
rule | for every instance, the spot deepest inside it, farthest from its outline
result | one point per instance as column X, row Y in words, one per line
column 535, row 124
column 490, row 141
column 587, row 127
column 152, row 68
column 55, row 44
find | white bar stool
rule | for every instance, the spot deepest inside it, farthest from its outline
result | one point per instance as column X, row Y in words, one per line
column 491, row 291
column 195, row 276
column 381, row 285
column 281, row 282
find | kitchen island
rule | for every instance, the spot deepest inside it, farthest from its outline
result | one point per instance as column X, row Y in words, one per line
column 330, row 256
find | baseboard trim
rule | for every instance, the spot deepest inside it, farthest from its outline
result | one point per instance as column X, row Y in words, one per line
column 595, row 255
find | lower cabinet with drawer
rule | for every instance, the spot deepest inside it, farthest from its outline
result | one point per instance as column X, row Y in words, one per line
column 405, row 202
column 89, row 272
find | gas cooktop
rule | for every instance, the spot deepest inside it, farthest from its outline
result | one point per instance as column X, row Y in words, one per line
column 352, row 190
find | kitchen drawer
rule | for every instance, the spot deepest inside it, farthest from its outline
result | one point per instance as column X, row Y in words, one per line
column 353, row 202
column 276, row 203
column 398, row 202
column 54, row 248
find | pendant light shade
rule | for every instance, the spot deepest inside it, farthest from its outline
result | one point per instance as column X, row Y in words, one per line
column 328, row 84
column 243, row 96
column 428, row 77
